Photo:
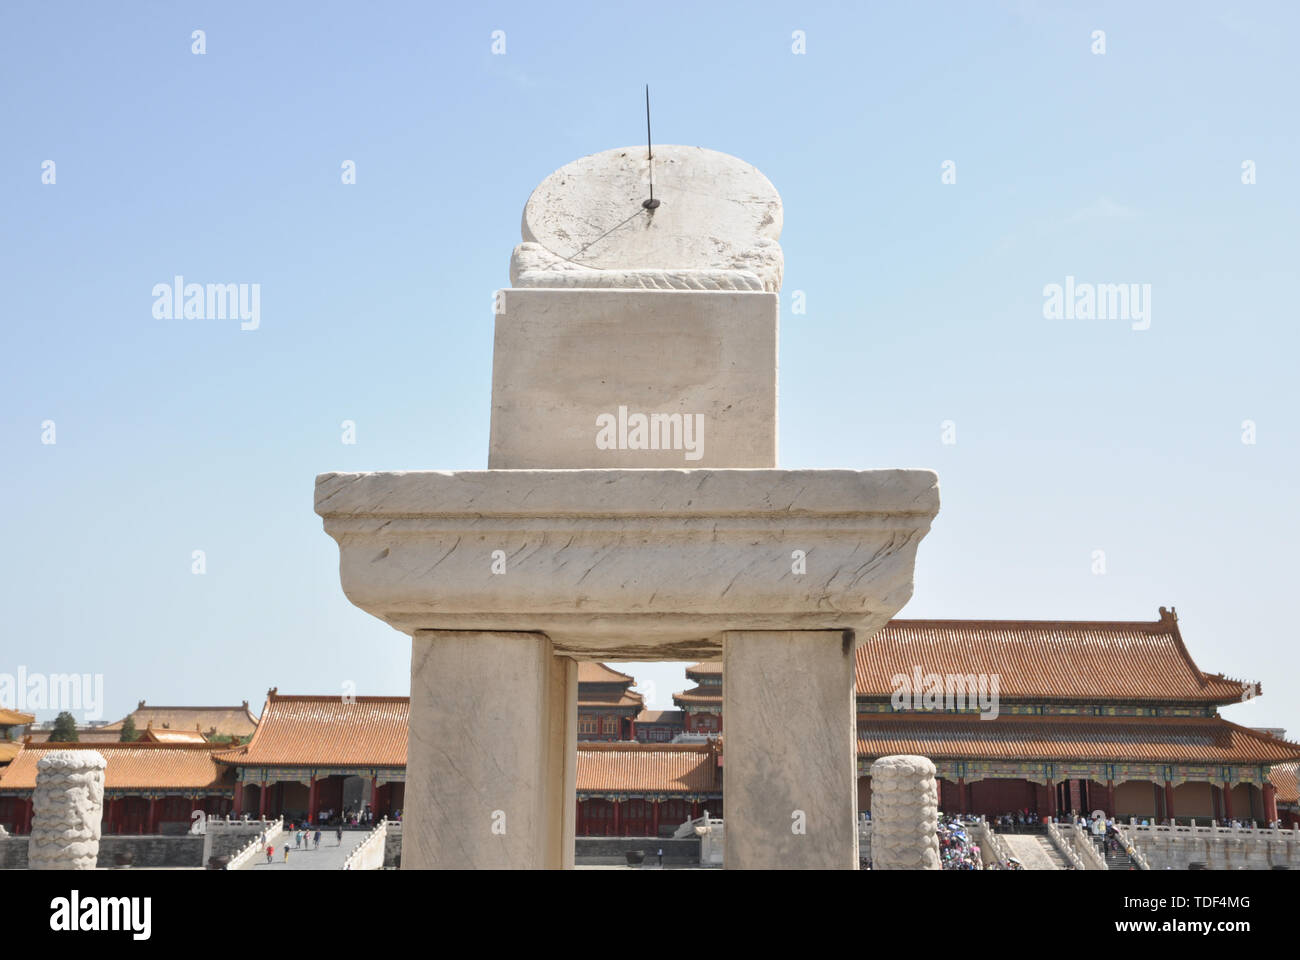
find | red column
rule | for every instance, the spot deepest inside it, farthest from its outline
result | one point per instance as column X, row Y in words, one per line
column 153, row 815
column 618, row 806
column 313, row 812
column 579, row 827
column 1110, row 798
column 1169, row 800
column 695, row 809
column 961, row 794
column 1270, row 802
column 239, row 799
column 1227, row 801
column 654, row 820
column 1051, row 798
column 374, row 795
column 968, row 800
column 27, row 816
column 261, row 807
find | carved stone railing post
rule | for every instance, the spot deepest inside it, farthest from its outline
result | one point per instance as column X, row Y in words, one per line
column 67, row 807
column 904, row 814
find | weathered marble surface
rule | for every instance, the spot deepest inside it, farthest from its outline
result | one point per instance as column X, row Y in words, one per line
column 67, row 808
column 904, row 814
column 564, row 358
column 718, row 216
column 629, row 564
column 492, row 757
column 791, row 753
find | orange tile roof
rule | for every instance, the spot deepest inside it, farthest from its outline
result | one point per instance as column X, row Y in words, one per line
column 84, row 735
column 1092, row 661
column 13, row 718
column 323, row 731
column 659, row 716
column 622, row 698
column 710, row 668
column 699, row 695
column 238, row 721
column 589, row 671
column 9, row 749
column 645, row 767
column 131, row 766
column 1099, row 739
column 1286, row 778
column 152, row 735
column 601, row 686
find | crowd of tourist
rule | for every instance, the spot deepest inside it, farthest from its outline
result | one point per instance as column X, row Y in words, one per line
column 957, row 847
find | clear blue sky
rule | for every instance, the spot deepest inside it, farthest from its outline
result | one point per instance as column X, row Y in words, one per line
column 924, row 300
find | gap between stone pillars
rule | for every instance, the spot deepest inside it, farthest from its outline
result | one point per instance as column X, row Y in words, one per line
column 790, row 749
column 491, row 752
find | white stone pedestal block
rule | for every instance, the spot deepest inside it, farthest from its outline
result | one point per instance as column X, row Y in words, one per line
column 630, row 564
column 699, row 366
column 790, row 751
column 67, row 807
column 904, row 814
column 492, row 756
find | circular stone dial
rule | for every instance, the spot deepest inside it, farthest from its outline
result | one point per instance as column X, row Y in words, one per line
column 714, row 209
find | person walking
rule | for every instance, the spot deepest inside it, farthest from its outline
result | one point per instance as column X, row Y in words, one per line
column 661, row 857
column 339, row 833
column 270, row 852
column 286, row 853
column 318, row 838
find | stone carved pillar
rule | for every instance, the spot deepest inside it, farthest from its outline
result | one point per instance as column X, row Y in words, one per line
column 904, row 814
column 68, row 809
column 791, row 781
column 492, row 756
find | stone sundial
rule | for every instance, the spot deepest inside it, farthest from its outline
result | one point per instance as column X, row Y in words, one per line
column 716, row 227
column 632, row 509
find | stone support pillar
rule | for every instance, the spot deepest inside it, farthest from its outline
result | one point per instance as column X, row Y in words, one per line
column 562, row 769
column 482, row 778
column 791, row 751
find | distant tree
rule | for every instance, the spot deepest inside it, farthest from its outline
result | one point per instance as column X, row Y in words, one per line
column 65, row 728
column 129, row 733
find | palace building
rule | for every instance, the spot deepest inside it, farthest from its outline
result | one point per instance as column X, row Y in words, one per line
column 607, row 707
column 1092, row 715
column 702, row 704
column 1049, row 717
column 148, row 787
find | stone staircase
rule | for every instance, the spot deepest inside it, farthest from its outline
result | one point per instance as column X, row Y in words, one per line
column 1049, row 848
column 1033, row 850
column 1116, row 858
